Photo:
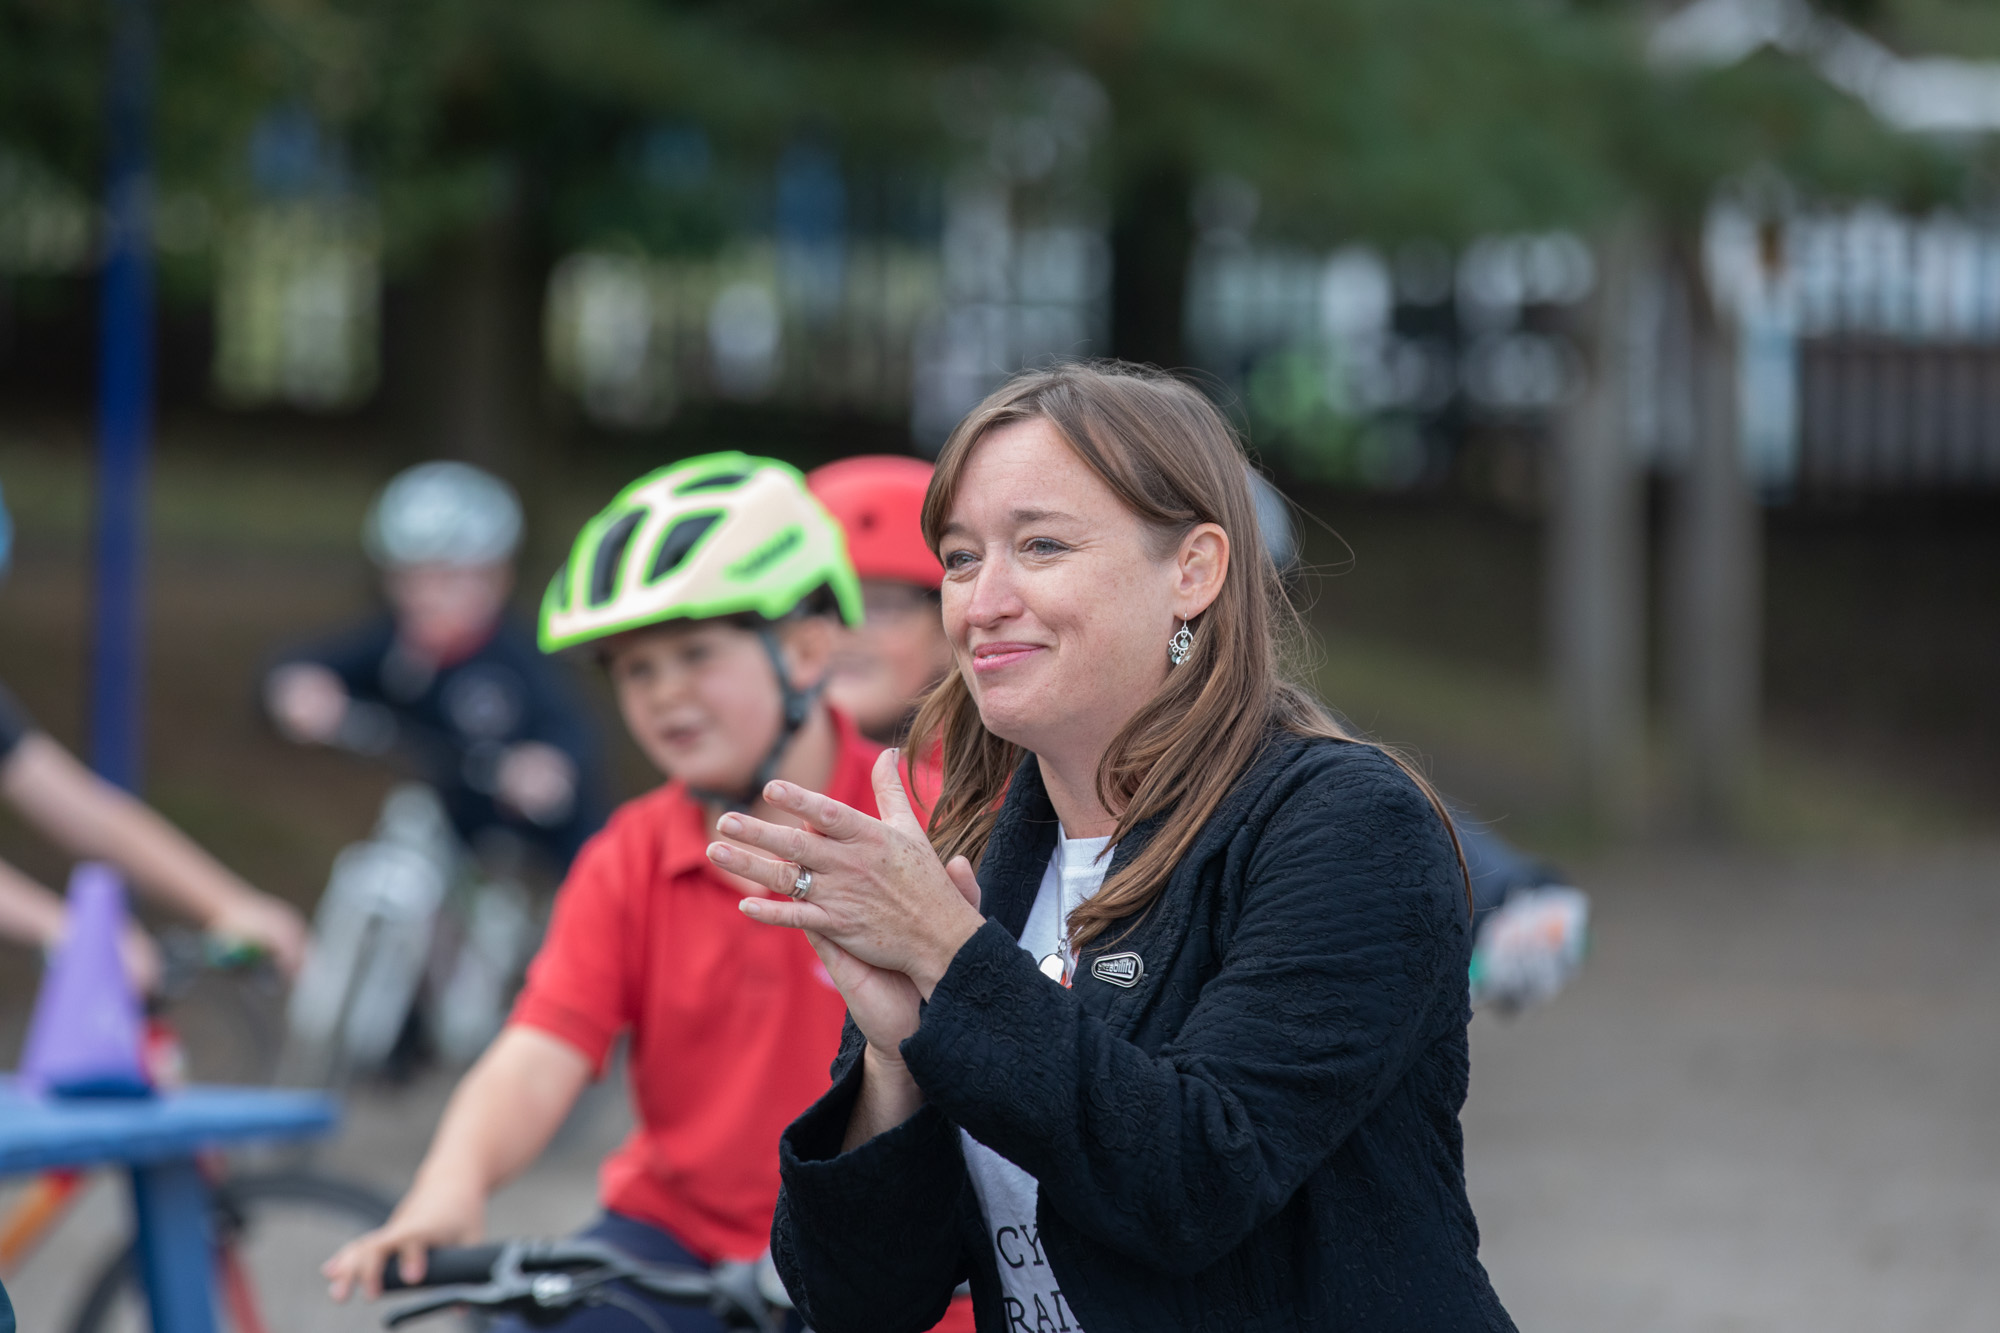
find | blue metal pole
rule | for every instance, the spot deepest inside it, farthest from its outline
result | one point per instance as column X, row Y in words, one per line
column 174, row 1247
column 124, row 401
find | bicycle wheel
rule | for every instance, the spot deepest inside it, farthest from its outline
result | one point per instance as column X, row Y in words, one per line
column 232, row 1028
column 274, row 1231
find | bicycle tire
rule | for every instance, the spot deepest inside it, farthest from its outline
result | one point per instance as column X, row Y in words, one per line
column 231, row 1028
column 238, row 1202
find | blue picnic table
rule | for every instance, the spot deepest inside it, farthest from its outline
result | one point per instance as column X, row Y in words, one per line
column 157, row 1139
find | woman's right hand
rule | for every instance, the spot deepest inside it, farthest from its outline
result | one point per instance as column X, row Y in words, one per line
column 433, row 1213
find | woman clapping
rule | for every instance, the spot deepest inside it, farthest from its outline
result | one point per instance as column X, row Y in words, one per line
column 1189, row 1050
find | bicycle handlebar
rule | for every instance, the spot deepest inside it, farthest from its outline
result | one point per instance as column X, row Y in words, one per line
column 187, row 955
column 446, row 1266
column 540, row 1278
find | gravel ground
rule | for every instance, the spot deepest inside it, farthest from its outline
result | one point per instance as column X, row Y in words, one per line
column 1767, row 1106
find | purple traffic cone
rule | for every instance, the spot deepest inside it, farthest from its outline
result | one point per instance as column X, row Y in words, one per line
column 86, row 1035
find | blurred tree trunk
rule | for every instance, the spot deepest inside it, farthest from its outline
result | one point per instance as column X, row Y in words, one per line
column 1152, row 241
column 1596, row 581
column 485, row 398
column 1715, row 593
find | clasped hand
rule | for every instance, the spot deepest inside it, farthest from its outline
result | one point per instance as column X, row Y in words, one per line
column 885, row 916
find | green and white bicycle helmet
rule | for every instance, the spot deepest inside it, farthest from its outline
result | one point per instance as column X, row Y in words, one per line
column 719, row 535
column 724, row 534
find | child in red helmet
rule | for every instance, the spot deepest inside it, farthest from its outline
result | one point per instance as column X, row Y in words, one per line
column 883, row 669
column 899, row 652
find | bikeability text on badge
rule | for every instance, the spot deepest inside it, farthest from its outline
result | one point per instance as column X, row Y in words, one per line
column 1120, row 969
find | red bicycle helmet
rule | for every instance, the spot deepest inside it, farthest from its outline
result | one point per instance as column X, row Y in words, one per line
column 878, row 500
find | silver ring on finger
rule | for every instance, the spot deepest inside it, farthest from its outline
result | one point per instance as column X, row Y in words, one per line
column 801, row 886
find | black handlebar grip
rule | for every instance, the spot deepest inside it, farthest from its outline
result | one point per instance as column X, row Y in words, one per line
column 448, row 1266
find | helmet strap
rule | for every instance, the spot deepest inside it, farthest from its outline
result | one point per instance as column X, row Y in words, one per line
column 796, row 706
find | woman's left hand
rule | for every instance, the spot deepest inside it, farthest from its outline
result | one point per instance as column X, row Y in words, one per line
column 883, row 1004
column 877, row 889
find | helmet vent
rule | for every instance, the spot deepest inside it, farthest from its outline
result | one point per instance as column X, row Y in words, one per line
column 721, row 481
column 680, row 540
column 770, row 553
column 610, row 555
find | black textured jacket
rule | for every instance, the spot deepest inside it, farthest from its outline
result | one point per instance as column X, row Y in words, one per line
column 1261, row 1133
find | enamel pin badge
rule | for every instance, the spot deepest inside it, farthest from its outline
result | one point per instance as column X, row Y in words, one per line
column 1120, row 969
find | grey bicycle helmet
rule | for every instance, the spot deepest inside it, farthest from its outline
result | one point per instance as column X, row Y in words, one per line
column 443, row 514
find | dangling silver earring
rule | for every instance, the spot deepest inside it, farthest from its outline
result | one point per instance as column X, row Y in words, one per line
column 1180, row 645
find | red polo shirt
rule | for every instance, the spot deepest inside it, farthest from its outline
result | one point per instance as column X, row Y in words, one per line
column 733, row 1025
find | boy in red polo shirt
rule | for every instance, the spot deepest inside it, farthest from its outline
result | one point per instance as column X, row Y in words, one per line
column 712, row 589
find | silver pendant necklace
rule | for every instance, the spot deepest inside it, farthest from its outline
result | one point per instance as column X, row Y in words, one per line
column 1055, row 966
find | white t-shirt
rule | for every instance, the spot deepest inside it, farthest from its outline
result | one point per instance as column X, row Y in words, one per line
column 1007, row 1194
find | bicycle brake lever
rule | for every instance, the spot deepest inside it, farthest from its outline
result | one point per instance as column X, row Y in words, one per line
column 736, row 1294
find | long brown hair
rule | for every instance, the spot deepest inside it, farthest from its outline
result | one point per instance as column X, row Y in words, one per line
column 1171, row 458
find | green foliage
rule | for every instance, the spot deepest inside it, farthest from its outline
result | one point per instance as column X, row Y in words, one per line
column 1300, row 416
column 450, row 105
column 1375, row 116
column 1352, row 117
column 1391, row 118
column 51, row 82
column 1966, row 28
